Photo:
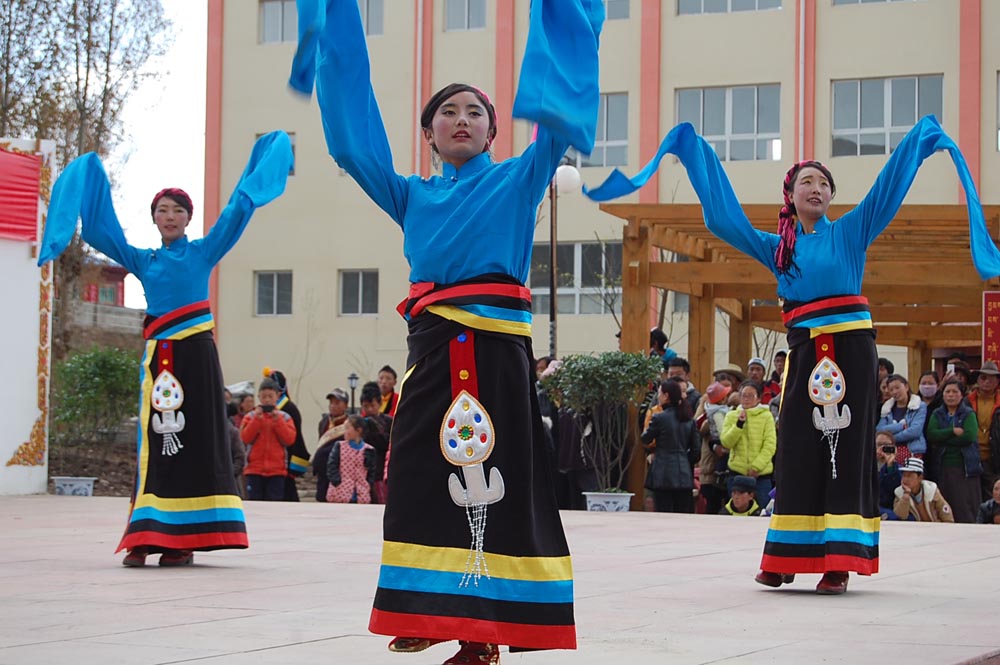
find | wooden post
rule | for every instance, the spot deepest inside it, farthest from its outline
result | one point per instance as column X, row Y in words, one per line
column 918, row 359
column 701, row 334
column 635, row 336
column 741, row 336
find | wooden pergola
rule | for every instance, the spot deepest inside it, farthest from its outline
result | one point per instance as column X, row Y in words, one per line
column 919, row 279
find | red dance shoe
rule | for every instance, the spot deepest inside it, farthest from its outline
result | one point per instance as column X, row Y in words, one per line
column 472, row 653
column 136, row 557
column 411, row 644
column 177, row 558
column 832, row 584
column 773, row 579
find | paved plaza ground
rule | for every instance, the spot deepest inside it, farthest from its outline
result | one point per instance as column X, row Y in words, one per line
column 650, row 588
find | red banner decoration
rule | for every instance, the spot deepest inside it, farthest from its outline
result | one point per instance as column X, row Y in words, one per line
column 20, row 177
column 991, row 326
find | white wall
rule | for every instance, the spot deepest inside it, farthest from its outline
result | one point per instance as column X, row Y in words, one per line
column 24, row 390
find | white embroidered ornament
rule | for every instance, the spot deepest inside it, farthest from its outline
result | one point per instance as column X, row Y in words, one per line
column 467, row 441
column 827, row 389
column 167, row 398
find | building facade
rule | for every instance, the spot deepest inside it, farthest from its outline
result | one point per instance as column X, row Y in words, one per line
column 312, row 286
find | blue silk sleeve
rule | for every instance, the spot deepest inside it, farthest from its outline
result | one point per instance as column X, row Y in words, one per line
column 558, row 86
column 332, row 50
column 83, row 192
column 263, row 180
column 882, row 202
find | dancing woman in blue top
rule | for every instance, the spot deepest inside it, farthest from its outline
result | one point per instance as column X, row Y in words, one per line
column 474, row 548
column 185, row 497
column 826, row 518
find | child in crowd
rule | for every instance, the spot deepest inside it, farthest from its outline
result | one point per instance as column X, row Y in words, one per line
column 742, row 498
column 351, row 466
column 267, row 432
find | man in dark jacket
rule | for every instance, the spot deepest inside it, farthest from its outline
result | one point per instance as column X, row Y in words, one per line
column 331, row 429
column 989, row 512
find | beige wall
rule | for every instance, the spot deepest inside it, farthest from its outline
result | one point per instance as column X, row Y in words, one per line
column 324, row 223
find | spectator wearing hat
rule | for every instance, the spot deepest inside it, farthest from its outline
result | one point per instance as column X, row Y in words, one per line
column 919, row 500
column 756, row 369
column 903, row 415
column 743, row 498
column 267, row 432
column 749, row 435
column 772, row 387
column 952, row 434
column 331, row 428
column 989, row 512
column 298, row 454
column 713, row 468
column 985, row 400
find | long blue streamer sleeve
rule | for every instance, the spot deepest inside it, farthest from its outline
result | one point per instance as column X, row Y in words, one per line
column 725, row 218
column 557, row 87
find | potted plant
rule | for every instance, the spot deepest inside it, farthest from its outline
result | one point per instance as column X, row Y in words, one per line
column 598, row 390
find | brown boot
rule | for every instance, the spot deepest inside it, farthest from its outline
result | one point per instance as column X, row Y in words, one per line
column 411, row 644
column 136, row 557
column 832, row 584
column 473, row 653
column 177, row 558
column 773, row 579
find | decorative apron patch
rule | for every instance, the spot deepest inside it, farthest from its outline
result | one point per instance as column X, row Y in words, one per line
column 827, row 389
column 167, row 398
column 467, row 438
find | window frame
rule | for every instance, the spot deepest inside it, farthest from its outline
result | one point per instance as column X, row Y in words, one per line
column 575, row 289
column 360, row 272
column 288, row 27
column 729, row 7
column 615, row 15
column 891, row 134
column 729, row 136
column 257, row 275
column 466, row 27
column 601, row 145
column 365, row 7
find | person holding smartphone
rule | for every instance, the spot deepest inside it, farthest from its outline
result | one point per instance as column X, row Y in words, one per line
column 889, row 476
column 267, row 431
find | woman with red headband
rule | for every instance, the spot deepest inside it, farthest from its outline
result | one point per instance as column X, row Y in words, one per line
column 467, row 438
column 185, row 497
column 826, row 516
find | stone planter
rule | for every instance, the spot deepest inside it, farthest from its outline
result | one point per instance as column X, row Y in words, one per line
column 608, row 502
column 74, row 485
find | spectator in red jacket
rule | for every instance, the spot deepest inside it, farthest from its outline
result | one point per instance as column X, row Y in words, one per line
column 267, row 431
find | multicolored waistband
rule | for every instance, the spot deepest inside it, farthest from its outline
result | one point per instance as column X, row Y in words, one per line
column 181, row 323
column 828, row 315
column 496, row 306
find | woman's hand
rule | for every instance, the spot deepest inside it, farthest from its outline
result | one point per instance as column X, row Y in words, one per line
column 958, row 431
column 753, row 473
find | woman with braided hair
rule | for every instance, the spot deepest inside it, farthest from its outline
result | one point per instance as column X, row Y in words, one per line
column 826, row 516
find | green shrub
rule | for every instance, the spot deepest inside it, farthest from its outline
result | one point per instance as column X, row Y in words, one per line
column 93, row 392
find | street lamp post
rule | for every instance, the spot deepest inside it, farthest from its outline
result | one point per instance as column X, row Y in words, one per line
column 352, row 381
column 566, row 180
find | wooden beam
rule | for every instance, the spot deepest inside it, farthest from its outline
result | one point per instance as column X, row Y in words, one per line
column 738, row 309
column 701, row 336
column 918, row 359
column 901, row 274
column 741, row 337
column 909, row 335
column 892, row 314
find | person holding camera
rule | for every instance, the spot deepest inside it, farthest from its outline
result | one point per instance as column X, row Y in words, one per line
column 267, row 432
column 889, row 476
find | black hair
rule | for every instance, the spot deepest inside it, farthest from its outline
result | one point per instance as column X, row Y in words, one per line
column 954, row 382
column 897, row 377
column 357, row 422
column 672, row 389
column 386, row 368
column 759, row 389
column 930, row 372
column 370, row 392
column 445, row 93
column 231, row 409
column 889, row 367
column 658, row 338
column 677, row 361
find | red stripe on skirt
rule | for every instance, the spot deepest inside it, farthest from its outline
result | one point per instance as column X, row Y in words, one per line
column 819, row 564
column 195, row 541
column 174, row 314
column 528, row 636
